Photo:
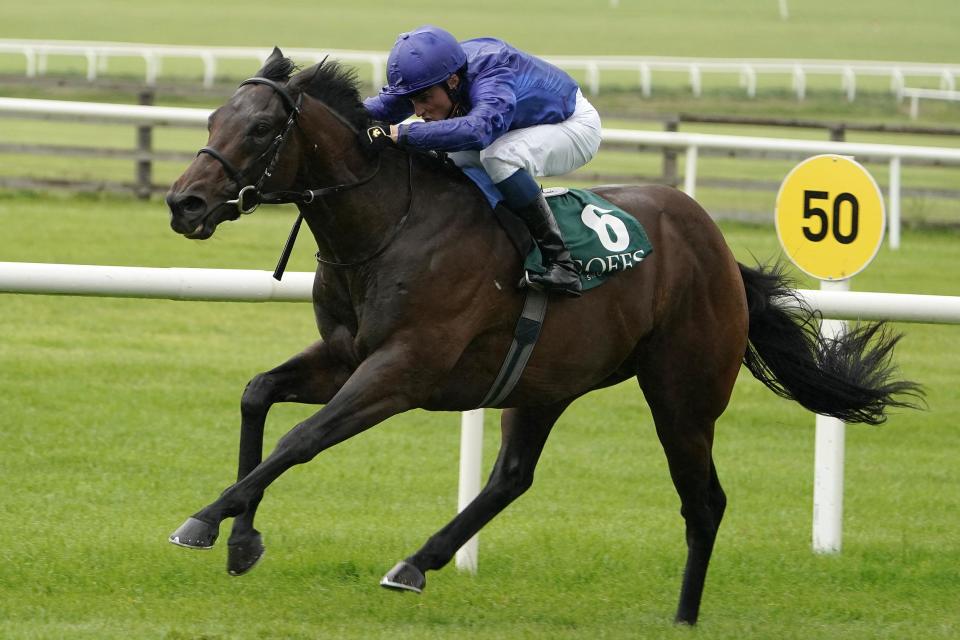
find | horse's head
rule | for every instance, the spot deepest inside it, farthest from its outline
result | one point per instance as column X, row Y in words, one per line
column 255, row 143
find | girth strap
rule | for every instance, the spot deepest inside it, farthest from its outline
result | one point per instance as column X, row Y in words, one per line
column 524, row 340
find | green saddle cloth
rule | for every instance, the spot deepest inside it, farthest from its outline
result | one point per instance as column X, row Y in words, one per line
column 601, row 237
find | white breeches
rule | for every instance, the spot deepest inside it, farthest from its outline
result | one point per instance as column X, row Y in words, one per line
column 543, row 150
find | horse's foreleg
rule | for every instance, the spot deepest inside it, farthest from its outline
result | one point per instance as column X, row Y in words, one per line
column 523, row 435
column 379, row 388
column 311, row 377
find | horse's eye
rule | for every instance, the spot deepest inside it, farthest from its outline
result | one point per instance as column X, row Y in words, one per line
column 261, row 129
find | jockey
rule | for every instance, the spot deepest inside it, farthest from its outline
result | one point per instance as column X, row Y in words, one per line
column 490, row 105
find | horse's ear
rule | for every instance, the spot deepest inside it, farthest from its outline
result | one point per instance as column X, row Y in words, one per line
column 308, row 76
column 275, row 55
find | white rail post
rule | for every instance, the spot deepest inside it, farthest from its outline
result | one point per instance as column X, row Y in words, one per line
column 378, row 65
column 31, row 57
column 696, row 85
column 850, row 83
column 593, row 78
column 799, row 82
column 646, row 82
column 784, row 10
column 828, row 458
column 152, row 68
column 897, row 83
column 690, row 171
column 894, row 200
column 471, row 457
column 209, row 69
column 748, row 79
column 91, row 65
column 946, row 80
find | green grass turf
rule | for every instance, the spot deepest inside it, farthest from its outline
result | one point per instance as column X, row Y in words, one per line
column 879, row 30
column 120, row 419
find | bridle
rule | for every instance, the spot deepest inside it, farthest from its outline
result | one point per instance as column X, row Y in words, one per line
column 250, row 196
column 240, row 177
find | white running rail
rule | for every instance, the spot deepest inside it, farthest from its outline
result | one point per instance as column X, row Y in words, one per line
column 36, row 54
column 247, row 285
column 691, row 143
column 928, row 94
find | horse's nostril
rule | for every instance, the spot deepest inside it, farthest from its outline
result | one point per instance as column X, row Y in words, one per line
column 192, row 205
column 186, row 205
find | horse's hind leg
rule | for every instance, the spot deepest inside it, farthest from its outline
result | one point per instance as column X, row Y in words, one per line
column 702, row 505
column 687, row 443
column 523, row 434
column 687, row 391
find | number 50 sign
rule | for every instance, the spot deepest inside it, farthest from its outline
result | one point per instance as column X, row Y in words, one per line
column 830, row 217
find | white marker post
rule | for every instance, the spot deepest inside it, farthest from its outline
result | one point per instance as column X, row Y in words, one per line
column 471, row 458
column 828, row 457
column 784, row 10
column 830, row 222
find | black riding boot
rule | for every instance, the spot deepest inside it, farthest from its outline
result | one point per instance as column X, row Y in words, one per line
column 562, row 275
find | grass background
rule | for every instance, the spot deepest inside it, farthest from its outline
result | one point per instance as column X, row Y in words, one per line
column 119, row 417
column 924, row 30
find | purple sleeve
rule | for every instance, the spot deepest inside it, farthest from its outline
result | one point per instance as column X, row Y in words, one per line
column 494, row 101
column 388, row 108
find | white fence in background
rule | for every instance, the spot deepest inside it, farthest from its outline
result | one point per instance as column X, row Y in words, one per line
column 690, row 143
column 97, row 54
column 914, row 95
column 259, row 286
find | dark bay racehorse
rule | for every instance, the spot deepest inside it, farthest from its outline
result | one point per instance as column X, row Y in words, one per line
column 415, row 301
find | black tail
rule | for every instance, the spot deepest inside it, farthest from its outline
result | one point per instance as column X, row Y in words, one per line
column 850, row 377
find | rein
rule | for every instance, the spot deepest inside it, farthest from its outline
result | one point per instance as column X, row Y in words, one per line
column 250, row 196
column 386, row 243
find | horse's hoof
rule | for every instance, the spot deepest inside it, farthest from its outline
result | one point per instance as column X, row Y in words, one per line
column 243, row 556
column 404, row 577
column 195, row 534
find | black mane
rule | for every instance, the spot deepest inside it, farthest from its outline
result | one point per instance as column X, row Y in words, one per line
column 330, row 81
column 339, row 87
column 277, row 68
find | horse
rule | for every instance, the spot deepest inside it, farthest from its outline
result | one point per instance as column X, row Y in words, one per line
column 415, row 301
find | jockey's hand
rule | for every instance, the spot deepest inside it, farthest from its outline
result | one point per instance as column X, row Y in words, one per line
column 377, row 136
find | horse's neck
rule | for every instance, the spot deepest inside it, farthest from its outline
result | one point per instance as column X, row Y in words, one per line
column 352, row 224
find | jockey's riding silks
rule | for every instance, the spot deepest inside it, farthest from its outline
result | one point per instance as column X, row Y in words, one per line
column 512, row 114
column 504, row 89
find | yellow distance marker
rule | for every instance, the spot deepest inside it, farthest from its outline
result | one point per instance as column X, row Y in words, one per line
column 830, row 217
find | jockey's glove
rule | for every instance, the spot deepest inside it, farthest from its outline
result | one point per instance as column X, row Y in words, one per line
column 376, row 137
